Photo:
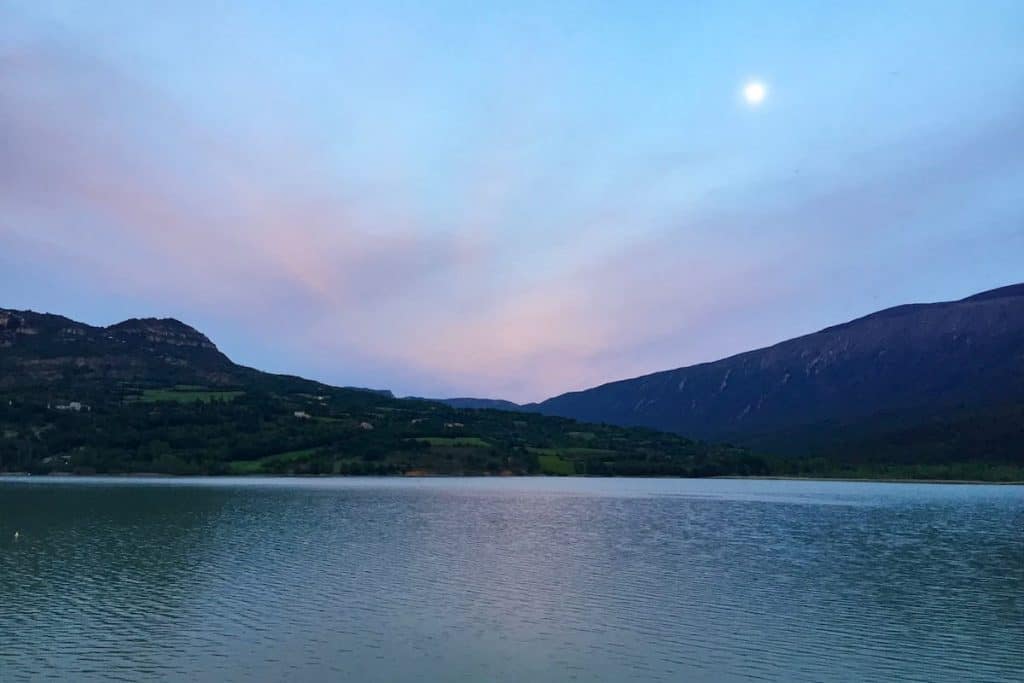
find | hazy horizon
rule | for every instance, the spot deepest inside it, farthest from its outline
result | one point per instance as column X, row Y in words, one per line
column 508, row 201
column 610, row 380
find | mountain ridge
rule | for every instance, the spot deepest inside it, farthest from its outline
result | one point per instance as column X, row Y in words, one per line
column 51, row 348
column 916, row 358
column 866, row 383
column 919, row 391
column 157, row 395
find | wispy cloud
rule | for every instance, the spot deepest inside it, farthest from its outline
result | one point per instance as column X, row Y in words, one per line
column 108, row 172
column 535, row 278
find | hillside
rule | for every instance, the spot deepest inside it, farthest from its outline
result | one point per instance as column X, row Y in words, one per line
column 486, row 404
column 918, row 391
column 42, row 350
column 158, row 396
column 933, row 383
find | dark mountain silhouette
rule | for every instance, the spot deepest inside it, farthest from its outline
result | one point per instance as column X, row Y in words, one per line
column 46, row 350
column 487, row 404
column 878, row 378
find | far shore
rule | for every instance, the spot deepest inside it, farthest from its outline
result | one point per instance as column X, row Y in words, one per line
column 883, row 480
column 425, row 475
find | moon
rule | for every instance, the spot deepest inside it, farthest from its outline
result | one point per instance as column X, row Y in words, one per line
column 754, row 93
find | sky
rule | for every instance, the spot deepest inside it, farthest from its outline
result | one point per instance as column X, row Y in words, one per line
column 509, row 200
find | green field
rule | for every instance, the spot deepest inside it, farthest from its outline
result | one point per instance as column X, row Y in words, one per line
column 553, row 464
column 187, row 395
column 461, row 441
column 587, row 452
column 586, row 436
column 266, row 465
column 245, row 467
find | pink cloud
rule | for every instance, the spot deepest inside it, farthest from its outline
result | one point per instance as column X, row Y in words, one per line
column 111, row 174
column 115, row 182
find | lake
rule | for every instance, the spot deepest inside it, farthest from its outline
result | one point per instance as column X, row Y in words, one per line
column 509, row 579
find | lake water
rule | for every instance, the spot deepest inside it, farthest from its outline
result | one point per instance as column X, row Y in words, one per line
column 509, row 580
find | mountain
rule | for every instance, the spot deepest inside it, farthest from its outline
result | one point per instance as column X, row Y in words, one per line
column 919, row 391
column 39, row 348
column 156, row 395
column 943, row 381
column 46, row 350
column 486, row 404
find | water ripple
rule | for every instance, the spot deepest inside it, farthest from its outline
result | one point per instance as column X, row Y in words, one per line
column 510, row 580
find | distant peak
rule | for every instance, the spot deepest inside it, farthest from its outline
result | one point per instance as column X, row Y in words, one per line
column 1007, row 292
column 1000, row 293
column 168, row 330
column 167, row 324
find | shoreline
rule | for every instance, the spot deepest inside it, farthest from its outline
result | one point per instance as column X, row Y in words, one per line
column 881, row 480
column 160, row 475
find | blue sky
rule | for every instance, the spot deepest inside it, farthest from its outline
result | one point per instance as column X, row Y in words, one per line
column 508, row 200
